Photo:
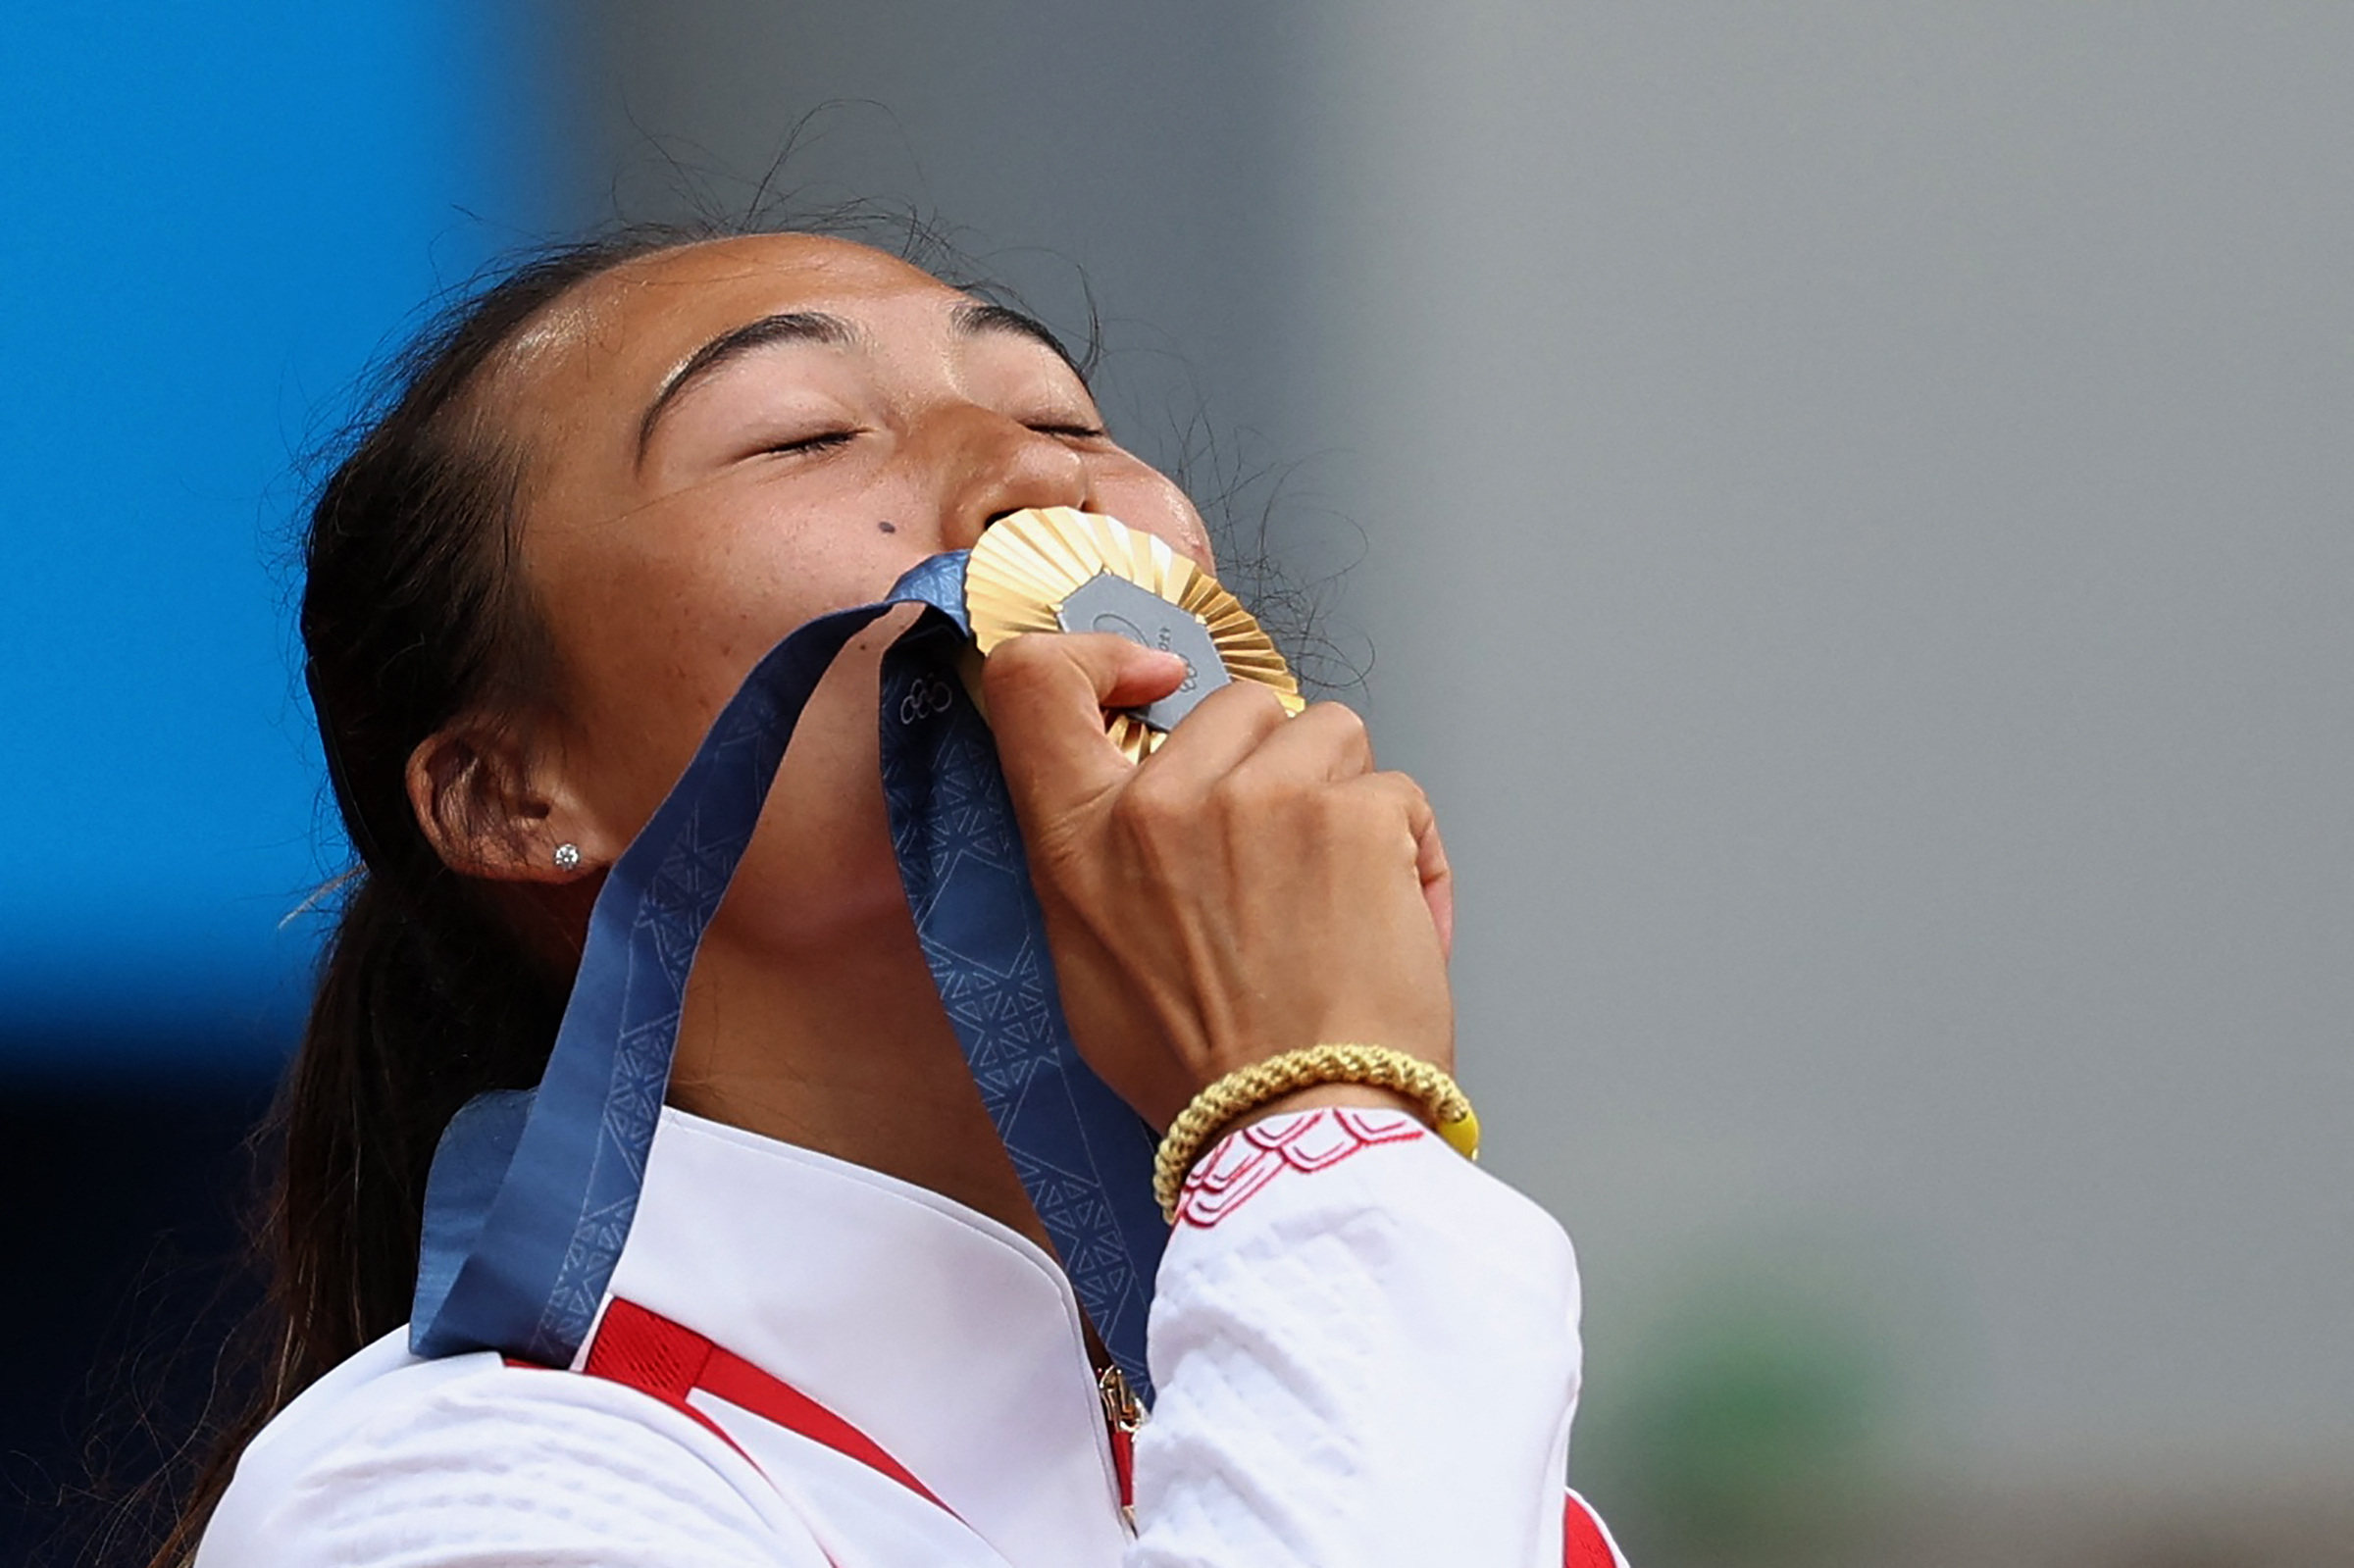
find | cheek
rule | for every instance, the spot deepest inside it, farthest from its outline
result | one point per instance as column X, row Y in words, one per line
column 1146, row 499
column 658, row 621
column 820, row 867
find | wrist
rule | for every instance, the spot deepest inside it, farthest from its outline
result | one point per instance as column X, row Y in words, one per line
column 1287, row 1080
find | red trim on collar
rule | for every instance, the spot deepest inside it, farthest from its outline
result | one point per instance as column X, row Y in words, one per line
column 642, row 1349
column 646, row 1352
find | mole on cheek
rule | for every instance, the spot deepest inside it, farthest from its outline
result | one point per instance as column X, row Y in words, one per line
column 889, row 527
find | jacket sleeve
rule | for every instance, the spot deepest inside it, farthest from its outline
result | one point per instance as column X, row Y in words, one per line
column 1367, row 1353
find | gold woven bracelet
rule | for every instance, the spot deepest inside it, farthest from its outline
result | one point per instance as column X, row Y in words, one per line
column 1247, row 1088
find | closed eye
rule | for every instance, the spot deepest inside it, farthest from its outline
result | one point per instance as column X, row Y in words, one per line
column 823, row 442
column 1076, row 433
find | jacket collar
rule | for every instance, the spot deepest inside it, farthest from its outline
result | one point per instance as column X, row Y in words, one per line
column 949, row 1339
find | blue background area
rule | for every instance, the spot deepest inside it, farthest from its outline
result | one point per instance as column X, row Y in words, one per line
column 215, row 219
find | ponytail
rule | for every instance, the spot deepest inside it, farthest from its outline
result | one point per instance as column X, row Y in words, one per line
column 424, row 1002
column 433, row 988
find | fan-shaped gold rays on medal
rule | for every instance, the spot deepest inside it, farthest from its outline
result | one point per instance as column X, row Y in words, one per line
column 1027, row 564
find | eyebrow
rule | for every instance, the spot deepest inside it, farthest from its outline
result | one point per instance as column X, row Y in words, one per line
column 984, row 320
column 788, row 326
column 979, row 319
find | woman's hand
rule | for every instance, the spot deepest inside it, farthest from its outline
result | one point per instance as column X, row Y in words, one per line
column 1252, row 888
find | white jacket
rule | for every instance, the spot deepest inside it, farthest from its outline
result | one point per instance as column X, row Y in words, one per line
column 1365, row 1353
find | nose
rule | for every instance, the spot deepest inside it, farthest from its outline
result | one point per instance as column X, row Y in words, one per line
column 993, row 465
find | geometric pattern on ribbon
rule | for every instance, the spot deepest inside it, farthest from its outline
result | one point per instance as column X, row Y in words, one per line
column 1084, row 1158
column 518, row 1247
column 530, row 1196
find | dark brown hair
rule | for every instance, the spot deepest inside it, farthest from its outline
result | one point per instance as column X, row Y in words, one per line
column 413, row 615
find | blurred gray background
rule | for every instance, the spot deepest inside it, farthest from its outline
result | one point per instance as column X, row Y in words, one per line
column 1851, row 511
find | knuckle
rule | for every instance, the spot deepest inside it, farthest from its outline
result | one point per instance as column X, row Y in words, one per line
column 1341, row 722
column 1345, row 813
column 1249, row 698
column 1147, row 808
column 1382, row 803
column 1340, row 735
column 1240, row 798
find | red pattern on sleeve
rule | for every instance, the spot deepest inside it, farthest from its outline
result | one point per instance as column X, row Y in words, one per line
column 1583, row 1544
column 1243, row 1163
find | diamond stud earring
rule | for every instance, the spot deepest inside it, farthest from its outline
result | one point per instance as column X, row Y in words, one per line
column 568, row 857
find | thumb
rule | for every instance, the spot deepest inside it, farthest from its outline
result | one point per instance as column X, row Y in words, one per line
column 1046, row 692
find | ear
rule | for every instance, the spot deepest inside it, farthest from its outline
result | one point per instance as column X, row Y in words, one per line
column 494, row 805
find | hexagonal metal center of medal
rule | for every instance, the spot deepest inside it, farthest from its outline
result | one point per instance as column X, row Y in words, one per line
column 1109, row 602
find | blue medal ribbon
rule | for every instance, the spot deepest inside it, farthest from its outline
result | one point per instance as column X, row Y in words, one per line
column 531, row 1191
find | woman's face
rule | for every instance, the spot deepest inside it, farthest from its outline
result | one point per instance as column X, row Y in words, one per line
column 728, row 440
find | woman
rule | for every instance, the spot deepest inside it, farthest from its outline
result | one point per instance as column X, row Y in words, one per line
column 598, row 498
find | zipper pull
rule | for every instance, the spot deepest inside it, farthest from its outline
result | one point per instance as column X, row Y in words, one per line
column 1122, row 1415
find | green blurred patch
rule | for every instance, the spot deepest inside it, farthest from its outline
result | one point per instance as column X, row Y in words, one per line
column 1746, row 1422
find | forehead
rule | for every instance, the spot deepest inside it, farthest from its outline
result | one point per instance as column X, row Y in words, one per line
column 760, row 268
column 628, row 328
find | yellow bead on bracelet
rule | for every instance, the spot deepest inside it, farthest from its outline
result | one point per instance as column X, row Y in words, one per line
column 1247, row 1088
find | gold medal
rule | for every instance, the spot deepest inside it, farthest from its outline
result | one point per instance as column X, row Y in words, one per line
column 1054, row 569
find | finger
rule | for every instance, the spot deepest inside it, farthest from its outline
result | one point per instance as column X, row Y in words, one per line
column 1047, row 695
column 1438, row 883
column 1223, row 728
column 1327, row 742
column 1431, row 865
